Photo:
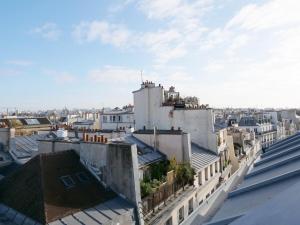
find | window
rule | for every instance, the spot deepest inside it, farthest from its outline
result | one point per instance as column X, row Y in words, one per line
column 32, row 121
column 169, row 221
column 181, row 214
column 191, row 206
column 104, row 119
column 67, row 181
column 82, row 177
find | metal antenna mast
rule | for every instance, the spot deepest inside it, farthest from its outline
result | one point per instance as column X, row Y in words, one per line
column 142, row 76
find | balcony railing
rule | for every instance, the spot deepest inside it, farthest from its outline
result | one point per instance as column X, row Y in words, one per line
column 160, row 196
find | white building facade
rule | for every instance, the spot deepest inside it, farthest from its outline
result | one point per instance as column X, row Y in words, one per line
column 117, row 119
column 156, row 107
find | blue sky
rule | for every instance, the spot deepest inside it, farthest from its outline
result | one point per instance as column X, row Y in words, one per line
column 236, row 53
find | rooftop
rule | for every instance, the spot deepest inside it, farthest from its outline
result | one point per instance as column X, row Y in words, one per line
column 52, row 186
column 25, row 147
column 26, row 122
column 201, row 157
column 172, row 131
column 273, row 182
column 146, row 154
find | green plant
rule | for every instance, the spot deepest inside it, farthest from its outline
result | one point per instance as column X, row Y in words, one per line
column 146, row 189
column 158, row 170
column 185, row 174
column 155, row 183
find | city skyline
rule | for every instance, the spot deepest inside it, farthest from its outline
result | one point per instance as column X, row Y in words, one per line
column 227, row 53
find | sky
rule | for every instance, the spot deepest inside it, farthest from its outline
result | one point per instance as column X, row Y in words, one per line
column 90, row 54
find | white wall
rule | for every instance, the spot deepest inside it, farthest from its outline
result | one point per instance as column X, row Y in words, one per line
column 172, row 145
column 149, row 112
column 127, row 121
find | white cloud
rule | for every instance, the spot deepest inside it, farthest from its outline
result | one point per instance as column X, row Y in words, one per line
column 9, row 72
column 114, row 74
column 128, row 76
column 164, row 45
column 19, row 62
column 119, row 6
column 183, row 30
column 274, row 13
column 177, row 11
column 60, row 77
column 236, row 43
column 103, row 31
column 48, row 31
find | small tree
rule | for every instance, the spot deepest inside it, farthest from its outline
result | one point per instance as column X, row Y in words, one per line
column 185, row 174
column 172, row 164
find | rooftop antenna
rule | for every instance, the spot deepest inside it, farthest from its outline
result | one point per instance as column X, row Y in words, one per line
column 142, row 76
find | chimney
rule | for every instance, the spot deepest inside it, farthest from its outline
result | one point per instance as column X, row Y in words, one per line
column 76, row 133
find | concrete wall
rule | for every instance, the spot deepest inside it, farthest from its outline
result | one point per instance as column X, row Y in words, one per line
column 57, row 146
column 172, row 145
column 122, row 171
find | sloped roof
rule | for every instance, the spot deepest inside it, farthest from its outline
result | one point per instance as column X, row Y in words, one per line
column 102, row 213
column 248, row 121
column 24, row 122
column 146, row 154
column 36, row 189
column 201, row 157
column 26, row 146
column 273, row 182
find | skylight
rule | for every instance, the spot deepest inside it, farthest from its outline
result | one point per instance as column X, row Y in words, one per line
column 67, row 181
column 82, row 177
